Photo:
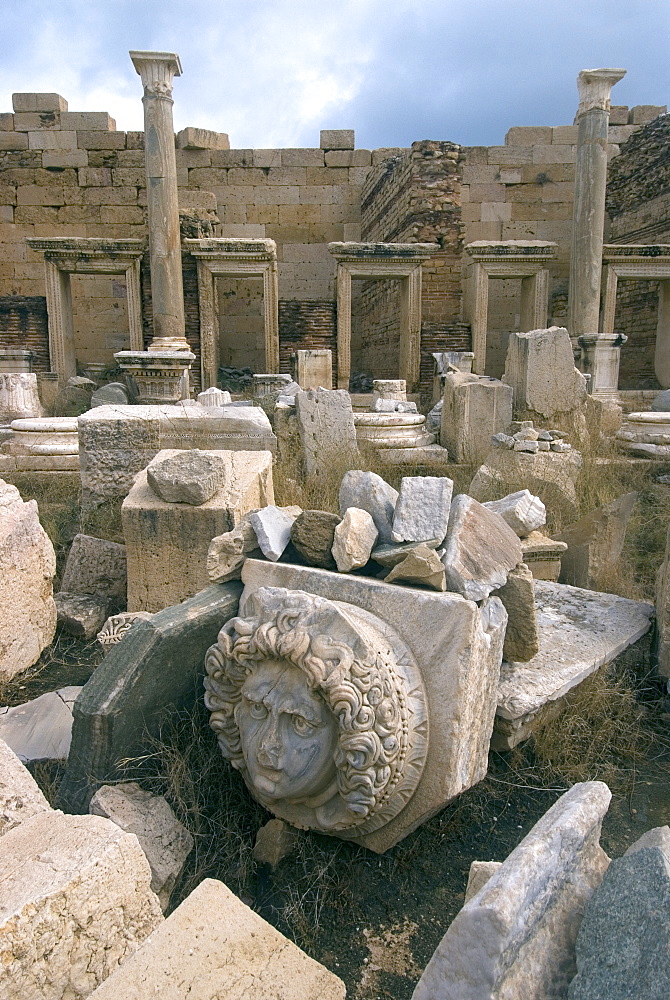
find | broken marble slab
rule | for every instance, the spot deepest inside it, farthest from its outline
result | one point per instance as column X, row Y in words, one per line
column 421, row 566
column 515, row 938
column 368, row 491
column 422, row 508
column 522, row 511
column 579, row 631
column 353, row 539
column 389, row 555
column 40, row 729
column 272, row 526
column 82, row 615
column 227, row 552
column 479, row 551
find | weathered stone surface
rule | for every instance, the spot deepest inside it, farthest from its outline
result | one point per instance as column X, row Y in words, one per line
column 168, row 543
column 189, row 476
column 117, row 626
column 623, row 945
column 274, row 842
column 543, row 555
column 420, row 566
column 353, row 539
column 18, row 396
column 522, row 511
column 227, row 552
column 237, row 956
column 74, row 397
column 95, row 566
column 40, row 729
column 368, row 491
column 74, row 903
column 663, row 611
column 457, row 647
column 480, row 549
column 516, row 936
column 272, row 526
column 540, row 367
column 214, row 397
column 165, row 842
column 661, row 403
column 327, row 433
column 548, row 475
column 20, row 796
column 422, row 508
column 479, row 874
column 474, row 408
column 595, row 544
column 579, row 631
column 110, row 394
column 201, row 138
column 158, row 665
column 81, row 614
column 658, row 837
column 117, row 442
column 27, row 567
column 390, row 555
column 313, row 369
column 518, row 596
column 313, row 533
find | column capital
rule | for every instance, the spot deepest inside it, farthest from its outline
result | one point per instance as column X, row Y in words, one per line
column 157, row 70
column 594, row 86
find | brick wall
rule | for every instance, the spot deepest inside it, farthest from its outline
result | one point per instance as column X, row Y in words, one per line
column 23, row 324
column 305, row 325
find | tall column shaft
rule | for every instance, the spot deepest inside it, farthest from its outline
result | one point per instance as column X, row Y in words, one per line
column 588, row 218
column 157, row 70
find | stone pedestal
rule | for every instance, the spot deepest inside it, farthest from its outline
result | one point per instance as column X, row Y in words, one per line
column 267, row 383
column 157, row 70
column 475, row 407
column 389, row 388
column 646, row 434
column 160, row 376
column 48, row 444
column 18, row 396
column 601, row 355
column 588, row 217
column 313, row 369
column 392, row 430
column 15, row 360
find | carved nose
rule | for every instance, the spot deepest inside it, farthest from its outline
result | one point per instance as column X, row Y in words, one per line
column 270, row 745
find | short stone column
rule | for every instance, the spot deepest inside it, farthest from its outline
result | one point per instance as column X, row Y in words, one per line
column 157, row 70
column 15, row 360
column 601, row 355
column 588, row 217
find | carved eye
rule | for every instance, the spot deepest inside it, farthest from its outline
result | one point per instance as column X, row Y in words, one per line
column 257, row 710
column 302, row 726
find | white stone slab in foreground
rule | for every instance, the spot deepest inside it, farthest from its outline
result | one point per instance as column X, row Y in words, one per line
column 213, row 946
column 40, row 729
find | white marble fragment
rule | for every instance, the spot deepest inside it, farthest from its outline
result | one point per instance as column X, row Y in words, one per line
column 480, row 549
column 370, row 492
column 422, row 509
column 521, row 510
column 273, row 530
column 355, row 538
column 40, row 729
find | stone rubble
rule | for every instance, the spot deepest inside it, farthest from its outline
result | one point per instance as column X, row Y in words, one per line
column 227, row 552
column 420, row 566
column 354, row 539
column 272, row 526
column 82, row 615
column 95, row 566
column 422, row 508
column 480, row 549
column 40, row 729
column 275, row 841
column 188, row 477
column 313, row 534
column 518, row 595
column 368, row 491
column 522, row 511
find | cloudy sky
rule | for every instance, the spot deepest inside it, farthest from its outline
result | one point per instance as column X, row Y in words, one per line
column 274, row 72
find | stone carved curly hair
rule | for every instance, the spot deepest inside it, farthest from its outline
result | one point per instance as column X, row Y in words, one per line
column 363, row 693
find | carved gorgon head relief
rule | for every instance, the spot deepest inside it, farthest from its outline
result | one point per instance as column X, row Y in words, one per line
column 322, row 709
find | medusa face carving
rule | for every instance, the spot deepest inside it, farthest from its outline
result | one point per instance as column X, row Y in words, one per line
column 322, row 710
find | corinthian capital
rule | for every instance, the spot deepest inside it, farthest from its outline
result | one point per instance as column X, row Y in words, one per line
column 595, row 87
column 157, row 70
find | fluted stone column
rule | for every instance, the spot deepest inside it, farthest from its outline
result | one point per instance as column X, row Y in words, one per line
column 157, row 70
column 588, row 218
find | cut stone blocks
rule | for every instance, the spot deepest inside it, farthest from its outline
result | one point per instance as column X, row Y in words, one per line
column 74, row 903
column 192, row 476
column 518, row 596
column 20, row 796
column 337, row 138
column 214, row 946
column 117, row 442
column 540, row 367
column 457, row 647
column 27, row 568
column 38, row 102
column 327, row 432
column 480, row 549
column 516, row 936
column 522, row 511
column 549, row 475
column 353, row 540
column 82, row 615
column 158, row 665
column 167, row 543
column 201, row 138
column 422, row 508
column 474, row 408
column 95, row 566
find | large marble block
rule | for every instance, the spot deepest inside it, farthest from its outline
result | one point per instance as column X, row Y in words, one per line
column 117, row 442
column 474, row 408
column 397, row 703
column 540, row 368
column 327, row 433
column 27, row 568
column 167, row 543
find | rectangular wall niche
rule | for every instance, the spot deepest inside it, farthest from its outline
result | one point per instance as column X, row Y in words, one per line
column 643, row 261
column 398, row 261
column 234, row 258
column 525, row 259
column 66, row 256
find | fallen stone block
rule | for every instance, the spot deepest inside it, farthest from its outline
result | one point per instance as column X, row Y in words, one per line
column 518, row 596
column 313, row 533
column 227, row 552
column 353, row 539
column 595, row 544
column 327, row 433
column 475, row 407
column 543, row 555
column 188, row 477
column 422, row 508
column 522, row 511
column 368, row 491
column 82, row 615
column 516, row 936
column 95, row 566
column 237, row 956
column 20, row 796
column 421, row 566
column 272, row 526
column 27, row 568
column 75, row 902
column 110, row 394
column 480, row 549
column 40, row 729
column 547, row 475
column 164, row 840
column 389, row 555
column 540, row 368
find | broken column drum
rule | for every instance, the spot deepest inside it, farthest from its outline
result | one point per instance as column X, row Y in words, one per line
column 321, row 707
